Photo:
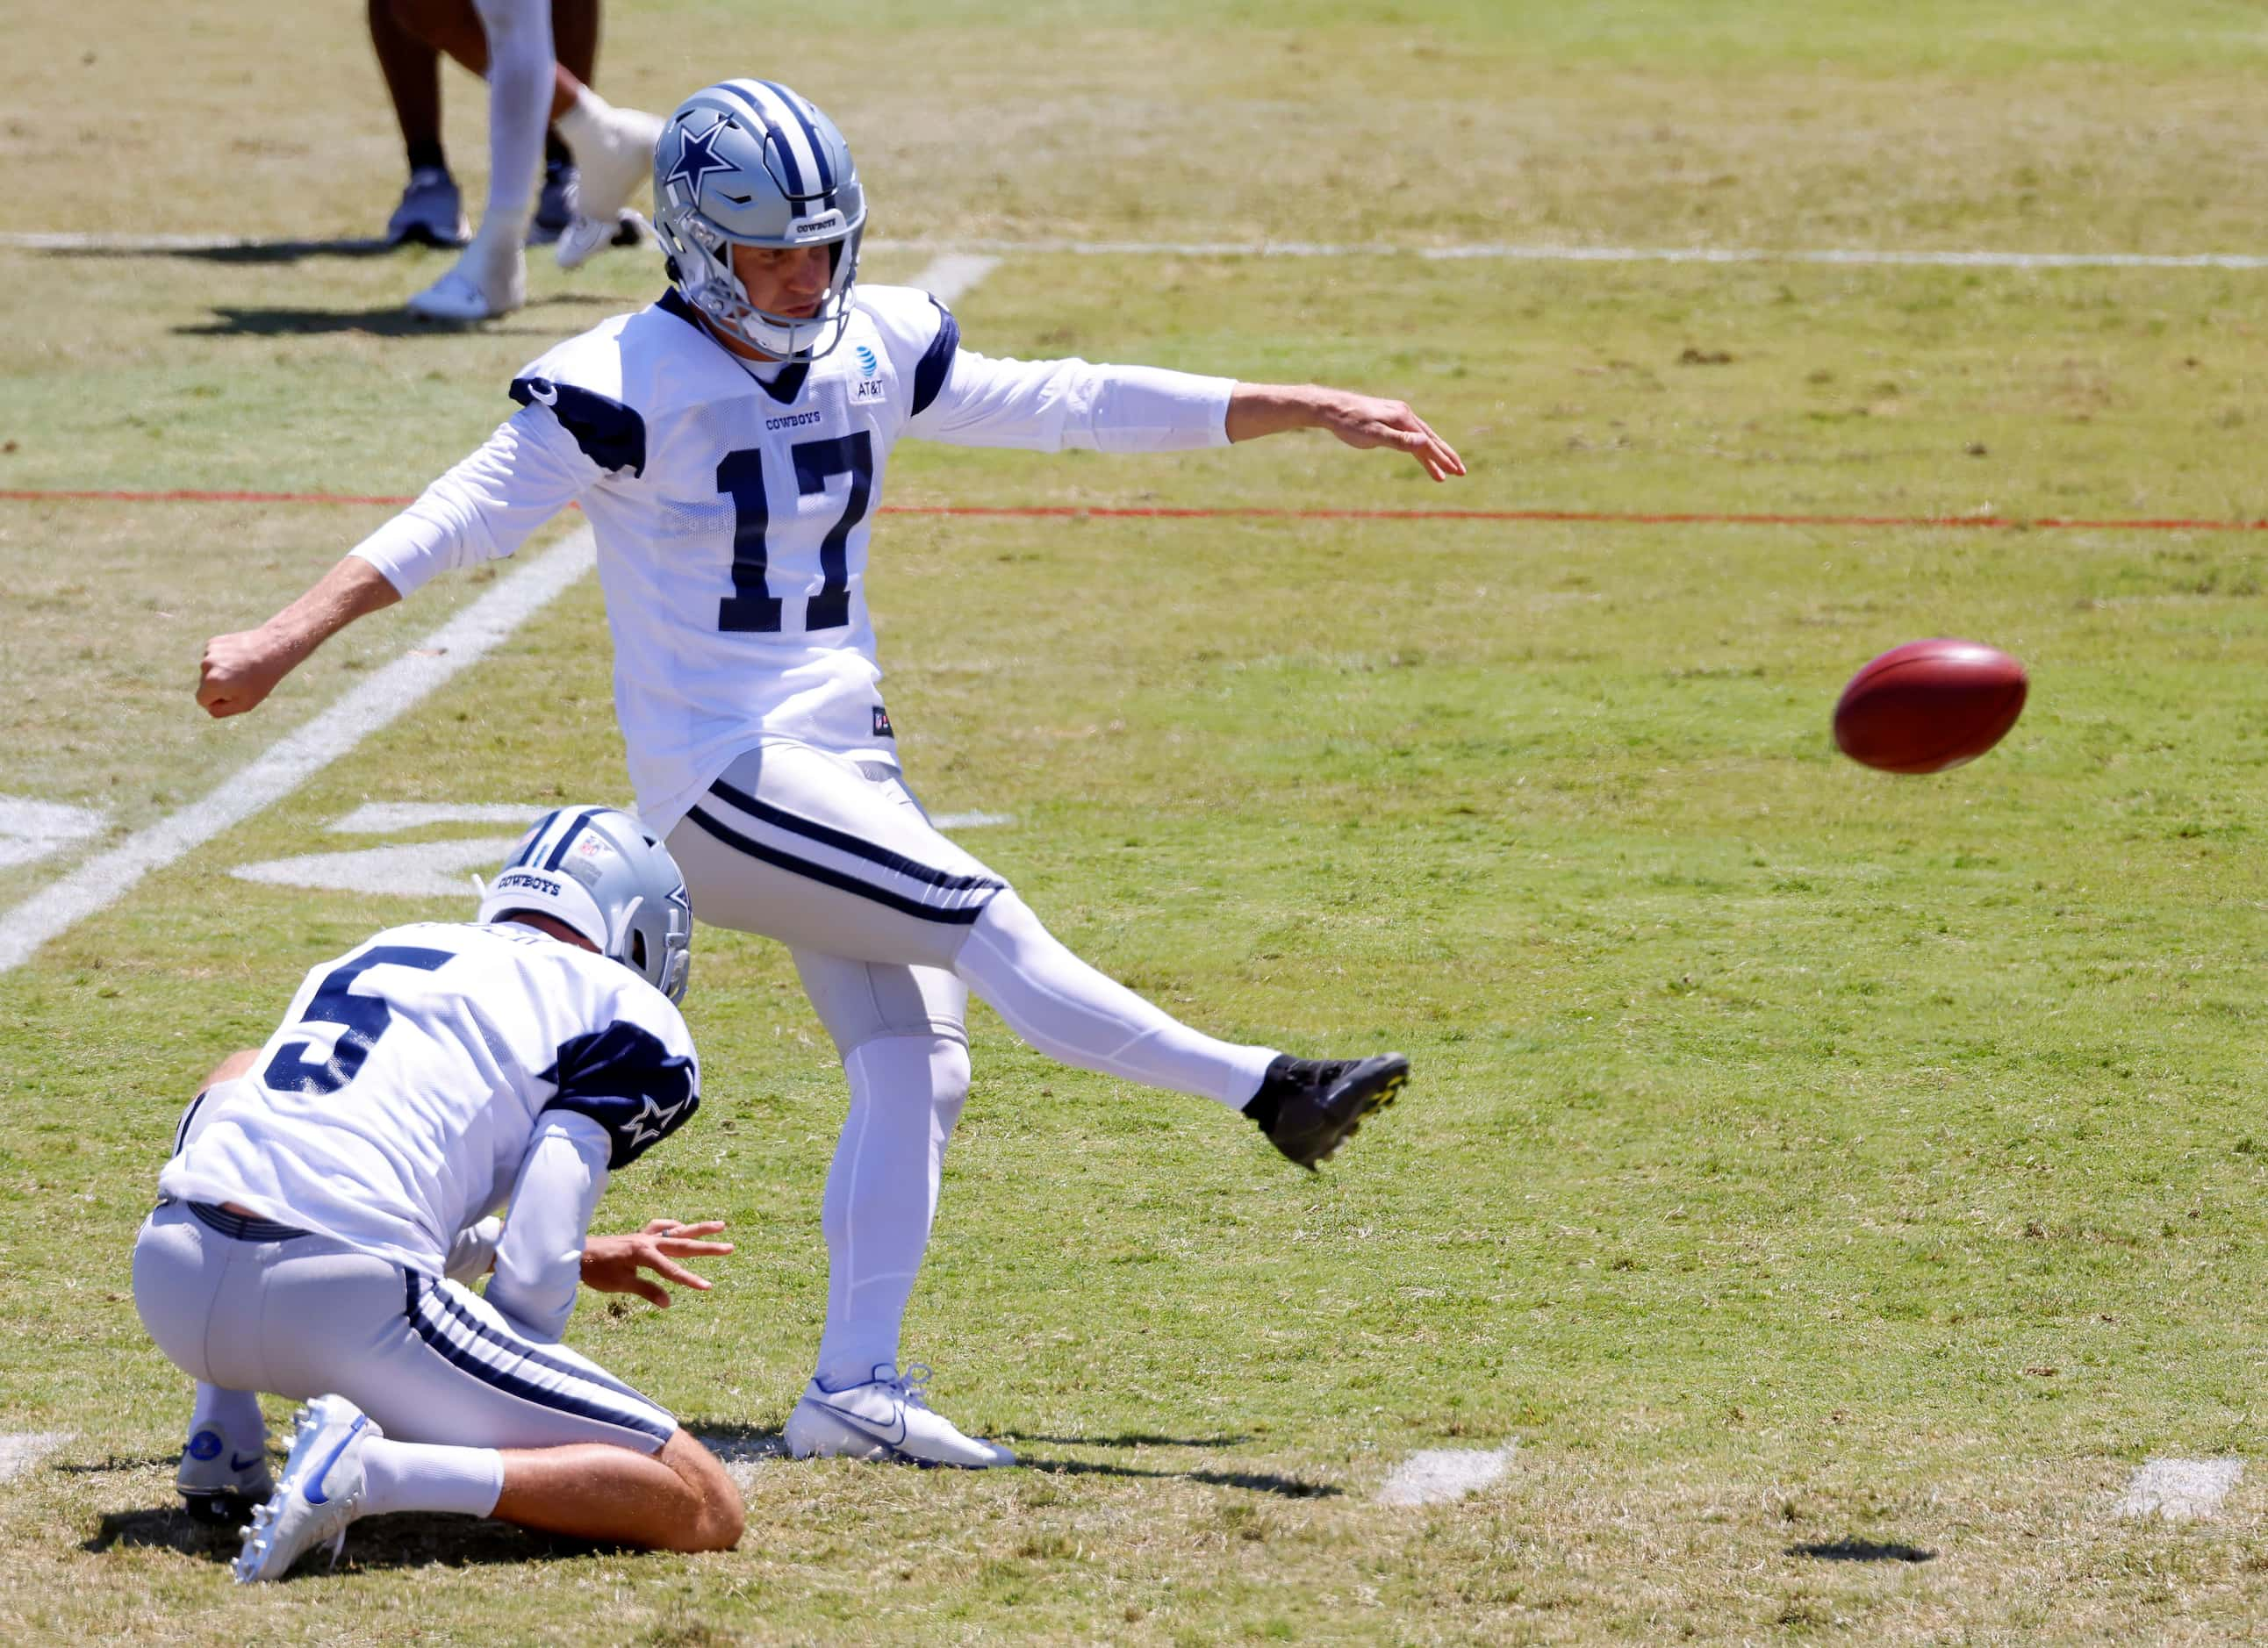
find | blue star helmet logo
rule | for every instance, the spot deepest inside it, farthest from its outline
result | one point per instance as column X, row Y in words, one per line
column 696, row 156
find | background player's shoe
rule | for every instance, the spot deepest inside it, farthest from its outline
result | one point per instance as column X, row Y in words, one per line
column 886, row 1419
column 489, row 280
column 218, row 1483
column 614, row 159
column 1309, row 1108
column 431, row 212
column 586, row 236
column 555, row 205
column 320, row 1493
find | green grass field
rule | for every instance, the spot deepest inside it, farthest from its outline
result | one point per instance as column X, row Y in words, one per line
column 1832, row 1187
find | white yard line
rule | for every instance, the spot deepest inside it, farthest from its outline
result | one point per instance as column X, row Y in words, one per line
column 20, row 1450
column 1514, row 252
column 952, row 274
column 433, row 870
column 987, row 253
column 32, row 830
column 2179, row 1490
column 380, row 818
column 374, row 703
column 1442, row 1476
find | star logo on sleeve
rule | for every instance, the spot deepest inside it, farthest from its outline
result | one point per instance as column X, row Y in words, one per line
column 697, row 157
column 635, row 1130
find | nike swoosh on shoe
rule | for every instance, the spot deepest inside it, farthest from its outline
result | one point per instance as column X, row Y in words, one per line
column 235, row 1463
column 878, row 1432
column 313, row 1493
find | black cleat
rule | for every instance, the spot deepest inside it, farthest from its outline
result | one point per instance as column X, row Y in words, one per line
column 1309, row 1108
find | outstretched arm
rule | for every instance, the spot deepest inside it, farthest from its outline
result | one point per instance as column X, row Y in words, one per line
column 1360, row 420
column 241, row 669
column 483, row 509
column 970, row 399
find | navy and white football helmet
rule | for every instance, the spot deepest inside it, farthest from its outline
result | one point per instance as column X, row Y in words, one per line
column 607, row 876
column 750, row 163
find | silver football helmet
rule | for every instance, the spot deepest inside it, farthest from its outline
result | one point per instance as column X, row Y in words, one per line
column 608, row 877
column 749, row 163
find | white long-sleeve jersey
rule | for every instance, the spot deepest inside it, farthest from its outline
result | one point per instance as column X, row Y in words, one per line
column 435, row 1073
column 731, row 514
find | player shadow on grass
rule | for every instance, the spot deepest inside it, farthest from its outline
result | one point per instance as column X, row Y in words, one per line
column 113, row 1462
column 251, row 252
column 392, row 321
column 1862, row 1551
column 1251, row 1481
column 406, row 1540
column 1141, row 1438
column 749, row 1445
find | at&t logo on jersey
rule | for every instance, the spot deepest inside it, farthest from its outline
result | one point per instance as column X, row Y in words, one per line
column 869, row 385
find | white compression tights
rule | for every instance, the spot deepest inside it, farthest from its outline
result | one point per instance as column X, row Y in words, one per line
column 1072, row 1013
column 906, row 1093
column 520, row 107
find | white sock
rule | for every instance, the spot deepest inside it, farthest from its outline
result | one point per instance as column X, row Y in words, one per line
column 427, row 1477
column 234, row 1413
column 906, row 1093
column 1070, row 1011
column 585, row 119
column 520, row 107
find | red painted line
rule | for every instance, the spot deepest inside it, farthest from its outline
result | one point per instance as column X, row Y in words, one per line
column 38, row 494
column 1074, row 511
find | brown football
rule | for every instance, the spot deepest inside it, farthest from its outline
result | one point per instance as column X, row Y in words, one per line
column 1929, row 705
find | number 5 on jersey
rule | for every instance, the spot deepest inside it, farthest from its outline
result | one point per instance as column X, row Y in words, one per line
column 362, row 1018
column 752, row 608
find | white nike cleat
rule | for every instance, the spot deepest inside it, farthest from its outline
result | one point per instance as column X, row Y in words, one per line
column 614, row 159
column 489, row 280
column 886, row 1419
column 320, row 1493
column 219, row 1484
column 584, row 238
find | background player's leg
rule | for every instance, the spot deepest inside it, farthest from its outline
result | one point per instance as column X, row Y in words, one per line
column 491, row 277
column 431, row 211
column 575, row 39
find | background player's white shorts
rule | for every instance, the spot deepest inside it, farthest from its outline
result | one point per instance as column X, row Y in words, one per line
column 835, row 857
column 238, row 1303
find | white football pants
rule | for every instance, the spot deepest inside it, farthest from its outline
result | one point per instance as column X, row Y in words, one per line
column 248, row 1305
column 891, row 925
